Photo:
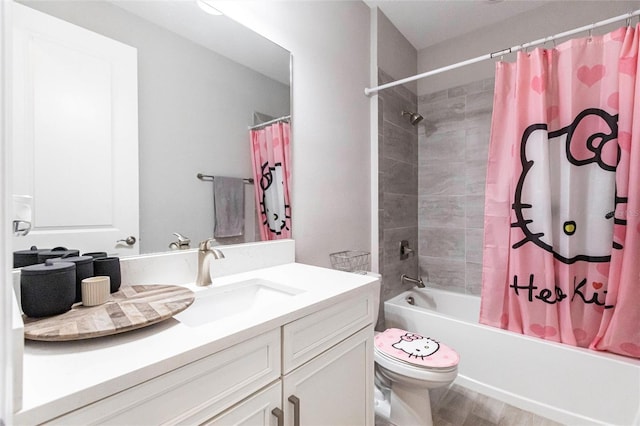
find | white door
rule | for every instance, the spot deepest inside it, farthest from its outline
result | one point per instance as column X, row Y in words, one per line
column 75, row 135
column 335, row 388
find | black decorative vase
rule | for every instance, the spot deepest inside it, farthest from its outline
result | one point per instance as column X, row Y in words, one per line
column 56, row 252
column 47, row 290
column 84, row 269
column 27, row 257
column 108, row 267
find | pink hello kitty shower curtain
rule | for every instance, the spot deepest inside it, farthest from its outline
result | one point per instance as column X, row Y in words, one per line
column 272, row 174
column 562, row 209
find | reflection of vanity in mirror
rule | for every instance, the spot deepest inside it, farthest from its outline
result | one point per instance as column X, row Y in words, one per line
column 202, row 81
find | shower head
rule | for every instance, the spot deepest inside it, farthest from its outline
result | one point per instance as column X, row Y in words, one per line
column 414, row 117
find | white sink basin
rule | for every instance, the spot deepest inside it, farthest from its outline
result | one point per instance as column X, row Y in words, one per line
column 234, row 299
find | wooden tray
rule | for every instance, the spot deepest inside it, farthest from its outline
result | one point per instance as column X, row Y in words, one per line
column 129, row 308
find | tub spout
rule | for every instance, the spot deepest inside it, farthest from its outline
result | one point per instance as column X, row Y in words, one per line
column 417, row 281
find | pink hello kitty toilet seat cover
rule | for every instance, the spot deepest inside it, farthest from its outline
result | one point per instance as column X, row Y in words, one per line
column 412, row 348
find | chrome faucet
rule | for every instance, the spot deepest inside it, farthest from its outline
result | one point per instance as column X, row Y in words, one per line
column 205, row 252
column 183, row 243
column 417, row 281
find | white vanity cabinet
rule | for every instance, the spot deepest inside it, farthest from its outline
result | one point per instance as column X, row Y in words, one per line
column 336, row 388
column 313, row 370
column 327, row 372
column 327, row 369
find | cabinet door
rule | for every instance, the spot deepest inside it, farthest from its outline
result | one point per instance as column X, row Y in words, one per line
column 335, row 388
column 255, row 411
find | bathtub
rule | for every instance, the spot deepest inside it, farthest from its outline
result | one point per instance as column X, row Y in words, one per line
column 570, row 385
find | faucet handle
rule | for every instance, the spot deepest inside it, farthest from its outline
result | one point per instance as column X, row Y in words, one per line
column 183, row 243
column 206, row 244
column 181, row 238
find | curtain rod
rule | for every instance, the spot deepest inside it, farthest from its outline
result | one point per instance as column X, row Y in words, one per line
column 266, row 123
column 590, row 27
column 211, row 178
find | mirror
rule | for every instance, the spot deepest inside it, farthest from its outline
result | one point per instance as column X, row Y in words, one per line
column 202, row 80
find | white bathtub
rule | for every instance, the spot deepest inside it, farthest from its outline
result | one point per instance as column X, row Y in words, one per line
column 570, row 385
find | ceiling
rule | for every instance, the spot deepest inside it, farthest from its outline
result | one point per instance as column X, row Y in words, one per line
column 422, row 22
column 217, row 33
column 428, row 22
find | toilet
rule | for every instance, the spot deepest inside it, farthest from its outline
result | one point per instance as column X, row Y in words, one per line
column 407, row 366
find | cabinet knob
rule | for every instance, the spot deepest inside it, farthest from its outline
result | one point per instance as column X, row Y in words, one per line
column 279, row 415
column 296, row 409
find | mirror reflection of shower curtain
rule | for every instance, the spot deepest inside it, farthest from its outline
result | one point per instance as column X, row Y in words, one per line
column 272, row 175
column 562, row 229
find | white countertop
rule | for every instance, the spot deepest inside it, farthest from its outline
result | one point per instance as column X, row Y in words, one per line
column 62, row 376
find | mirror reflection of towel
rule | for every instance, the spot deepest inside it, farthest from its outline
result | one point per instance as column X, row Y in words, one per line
column 228, row 196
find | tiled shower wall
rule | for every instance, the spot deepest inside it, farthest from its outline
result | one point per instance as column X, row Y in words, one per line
column 398, row 187
column 453, row 143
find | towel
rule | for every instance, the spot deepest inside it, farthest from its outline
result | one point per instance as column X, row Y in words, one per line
column 228, row 196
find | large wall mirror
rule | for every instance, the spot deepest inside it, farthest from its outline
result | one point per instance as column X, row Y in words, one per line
column 200, row 81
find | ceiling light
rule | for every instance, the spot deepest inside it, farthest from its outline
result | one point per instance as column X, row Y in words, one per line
column 208, row 7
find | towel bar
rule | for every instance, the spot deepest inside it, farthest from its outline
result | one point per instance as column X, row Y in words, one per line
column 211, row 178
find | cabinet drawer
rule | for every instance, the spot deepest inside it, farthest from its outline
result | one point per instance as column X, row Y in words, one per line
column 309, row 336
column 195, row 392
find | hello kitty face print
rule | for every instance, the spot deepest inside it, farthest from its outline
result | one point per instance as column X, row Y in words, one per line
column 417, row 346
column 577, row 168
column 275, row 211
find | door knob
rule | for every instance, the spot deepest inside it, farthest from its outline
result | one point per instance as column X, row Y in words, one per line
column 130, row 240
column 21, row 228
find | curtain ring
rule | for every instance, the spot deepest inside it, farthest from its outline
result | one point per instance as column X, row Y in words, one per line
column 552, row 40
column 590, row 34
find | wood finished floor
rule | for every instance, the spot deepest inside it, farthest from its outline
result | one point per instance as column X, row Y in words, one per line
column 458, row 406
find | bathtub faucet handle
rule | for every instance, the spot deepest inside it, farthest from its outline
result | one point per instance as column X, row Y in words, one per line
column 405, row 251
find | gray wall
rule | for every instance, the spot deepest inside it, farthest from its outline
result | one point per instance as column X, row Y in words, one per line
column 396, row 56
column 397, row 162
column 453, row 149
column 398, row 188
column 194, row 109
column 329, row 41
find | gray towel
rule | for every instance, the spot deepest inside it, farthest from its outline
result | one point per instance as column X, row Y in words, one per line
column 228, row 196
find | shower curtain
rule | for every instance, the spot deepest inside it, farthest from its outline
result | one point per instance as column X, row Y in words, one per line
column 562, row 208
column 272, row 176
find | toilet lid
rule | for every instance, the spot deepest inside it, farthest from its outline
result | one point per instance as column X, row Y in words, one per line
column 415, row 349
